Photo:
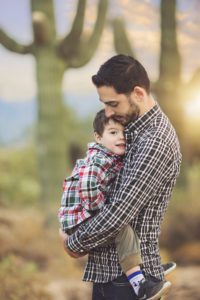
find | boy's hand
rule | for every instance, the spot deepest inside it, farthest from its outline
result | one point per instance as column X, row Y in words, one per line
column 64, row 237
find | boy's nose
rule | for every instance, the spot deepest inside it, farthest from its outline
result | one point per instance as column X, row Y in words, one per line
column 122, row 137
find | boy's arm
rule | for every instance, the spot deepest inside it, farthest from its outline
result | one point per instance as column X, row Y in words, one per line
column 92, row 183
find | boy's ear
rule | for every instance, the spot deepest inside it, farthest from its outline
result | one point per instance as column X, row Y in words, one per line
column 97, row 137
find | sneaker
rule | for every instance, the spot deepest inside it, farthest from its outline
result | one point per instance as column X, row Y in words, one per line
column 153, row 289
column 169, row 267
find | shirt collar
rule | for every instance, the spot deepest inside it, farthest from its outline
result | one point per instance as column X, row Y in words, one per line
column 99, row 147
column 143, row 122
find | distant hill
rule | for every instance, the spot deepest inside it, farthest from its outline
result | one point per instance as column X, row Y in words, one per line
column 83, row 105
column 16, row 117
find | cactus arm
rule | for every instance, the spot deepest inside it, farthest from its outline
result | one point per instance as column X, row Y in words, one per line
column 65, row 46
column 89, row 45
column 121, row 40
column 45, row 8
column 98, row 28
column 13, row 46
column 170, row 61
column 77, row 26
column 75, row 49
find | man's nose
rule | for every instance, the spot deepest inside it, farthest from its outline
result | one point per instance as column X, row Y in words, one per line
column 108, row 112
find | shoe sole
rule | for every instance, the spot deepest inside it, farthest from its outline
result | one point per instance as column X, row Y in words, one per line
column 162, row 292
column 170, row 269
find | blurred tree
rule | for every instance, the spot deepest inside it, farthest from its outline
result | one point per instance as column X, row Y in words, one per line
column 170, row 62
column 168, row 85
column 53, row 57
column 169, row 88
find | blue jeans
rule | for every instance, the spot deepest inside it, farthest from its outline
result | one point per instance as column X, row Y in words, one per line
column 118, row 289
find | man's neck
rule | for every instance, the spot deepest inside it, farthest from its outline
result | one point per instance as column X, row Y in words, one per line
column 147, row 105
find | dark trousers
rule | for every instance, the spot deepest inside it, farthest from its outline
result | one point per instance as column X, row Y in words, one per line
column 118, row 289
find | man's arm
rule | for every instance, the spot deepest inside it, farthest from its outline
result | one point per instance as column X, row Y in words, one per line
column 151, row 164
column 64, row 236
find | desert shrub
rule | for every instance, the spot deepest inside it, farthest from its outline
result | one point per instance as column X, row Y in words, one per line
column 18, row 184
column 20, row 281
column 23, row 233
column 182, row 221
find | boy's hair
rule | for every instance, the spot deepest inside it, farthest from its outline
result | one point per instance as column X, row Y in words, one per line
column 123, row 73
column 100, row 121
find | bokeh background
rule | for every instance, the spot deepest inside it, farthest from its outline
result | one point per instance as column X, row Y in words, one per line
column 49, row 51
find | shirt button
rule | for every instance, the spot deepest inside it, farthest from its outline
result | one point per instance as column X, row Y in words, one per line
column 136, row 132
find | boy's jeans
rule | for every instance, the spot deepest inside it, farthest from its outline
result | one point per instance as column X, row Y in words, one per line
column 118, row 289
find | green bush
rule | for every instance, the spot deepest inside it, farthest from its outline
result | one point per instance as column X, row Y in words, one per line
column 182, row 221
column 18, row 173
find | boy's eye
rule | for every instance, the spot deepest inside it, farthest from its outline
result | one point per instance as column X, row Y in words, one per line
column 113, row 132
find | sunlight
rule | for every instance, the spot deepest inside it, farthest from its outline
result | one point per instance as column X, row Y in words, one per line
column 192, row 107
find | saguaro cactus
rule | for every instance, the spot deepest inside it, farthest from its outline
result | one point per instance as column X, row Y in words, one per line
column 170, row 62
column 53, row 57
column 169, row 84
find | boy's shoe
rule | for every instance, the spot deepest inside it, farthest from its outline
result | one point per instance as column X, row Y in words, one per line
column 152, row 288
column 169, row 267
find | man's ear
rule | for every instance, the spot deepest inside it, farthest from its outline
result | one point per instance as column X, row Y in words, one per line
column 139, row 93
column 97, row 137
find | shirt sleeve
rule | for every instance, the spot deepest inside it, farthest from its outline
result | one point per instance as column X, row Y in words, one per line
column 92, row 183
column 151, row 164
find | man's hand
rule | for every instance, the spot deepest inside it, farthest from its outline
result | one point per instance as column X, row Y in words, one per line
column 64, row 237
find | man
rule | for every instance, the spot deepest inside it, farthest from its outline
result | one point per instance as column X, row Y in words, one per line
column 142, row 190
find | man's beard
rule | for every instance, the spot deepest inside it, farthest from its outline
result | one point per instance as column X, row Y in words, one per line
column 134, row 115
column 125, row 120
column 135, row 110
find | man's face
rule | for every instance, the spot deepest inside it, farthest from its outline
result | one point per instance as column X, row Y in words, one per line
column 123, row 108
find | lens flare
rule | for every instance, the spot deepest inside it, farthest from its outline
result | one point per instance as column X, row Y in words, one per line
column 192, row 107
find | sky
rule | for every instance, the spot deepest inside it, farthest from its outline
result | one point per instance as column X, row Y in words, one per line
column 17, row 73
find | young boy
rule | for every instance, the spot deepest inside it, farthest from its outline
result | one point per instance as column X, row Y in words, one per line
column 87, row 189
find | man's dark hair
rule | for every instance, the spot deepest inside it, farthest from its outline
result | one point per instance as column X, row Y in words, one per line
column 100, row 121
column 123, row 73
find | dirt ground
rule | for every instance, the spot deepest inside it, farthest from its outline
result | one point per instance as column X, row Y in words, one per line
column 185, row 284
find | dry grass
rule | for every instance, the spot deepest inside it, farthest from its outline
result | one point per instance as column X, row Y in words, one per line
column 32, row 257
column 19, row 281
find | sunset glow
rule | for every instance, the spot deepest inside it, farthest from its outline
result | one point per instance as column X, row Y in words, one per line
column 192, row 107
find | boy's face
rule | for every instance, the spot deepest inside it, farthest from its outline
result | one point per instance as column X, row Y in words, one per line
column 113, row 138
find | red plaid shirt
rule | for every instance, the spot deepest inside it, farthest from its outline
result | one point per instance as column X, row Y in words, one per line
column 85, row 191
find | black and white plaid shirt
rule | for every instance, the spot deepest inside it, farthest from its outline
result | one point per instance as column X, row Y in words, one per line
column 140, row 197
